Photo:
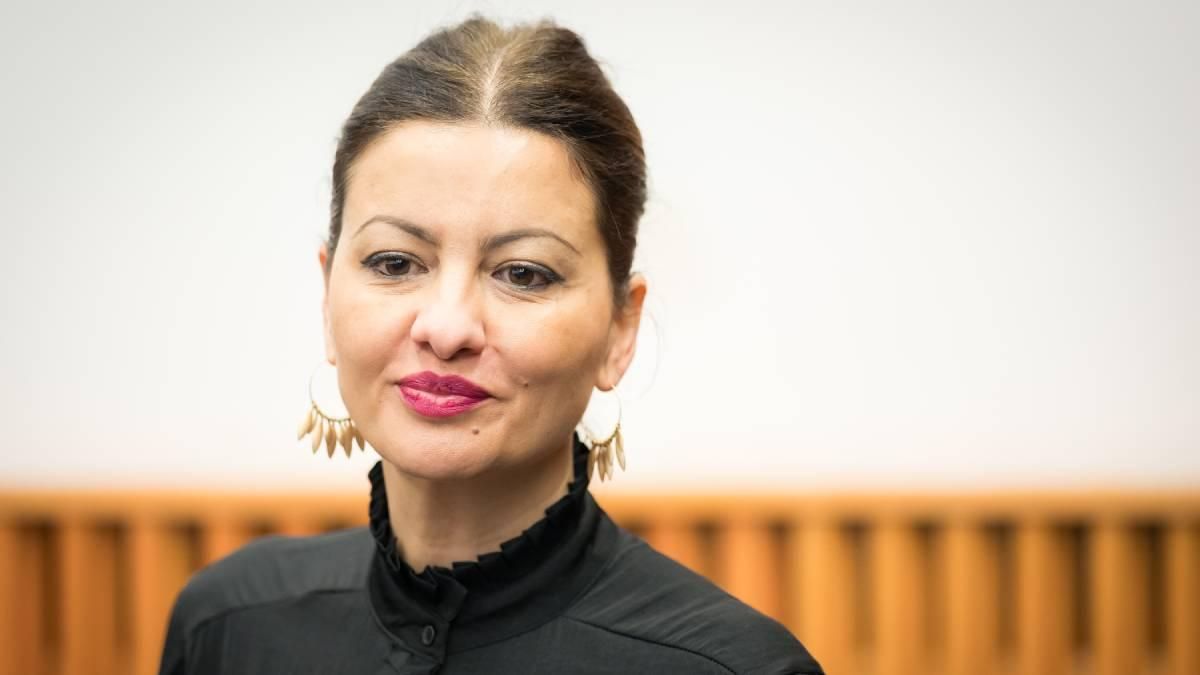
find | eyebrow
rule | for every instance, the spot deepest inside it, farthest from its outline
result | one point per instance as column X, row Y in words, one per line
column 498, row 240
column 493, row 242
column 411, row 228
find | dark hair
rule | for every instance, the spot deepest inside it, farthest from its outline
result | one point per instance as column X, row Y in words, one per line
column 532, row 76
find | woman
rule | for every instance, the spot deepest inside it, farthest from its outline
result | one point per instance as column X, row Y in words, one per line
column 486, row 195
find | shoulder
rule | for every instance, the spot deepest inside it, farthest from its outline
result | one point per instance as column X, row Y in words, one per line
column 268, row 570
column 273, row 569
column 646, row 596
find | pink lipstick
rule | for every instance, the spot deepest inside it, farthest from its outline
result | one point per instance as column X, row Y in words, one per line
column 434, row 395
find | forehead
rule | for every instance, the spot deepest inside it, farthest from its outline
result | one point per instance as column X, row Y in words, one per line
column 467, row 177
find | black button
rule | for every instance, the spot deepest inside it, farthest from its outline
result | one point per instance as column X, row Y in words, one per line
column 428, row 633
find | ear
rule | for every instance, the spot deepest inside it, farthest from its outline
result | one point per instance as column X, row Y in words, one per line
column 622, row 339
column 330, row 348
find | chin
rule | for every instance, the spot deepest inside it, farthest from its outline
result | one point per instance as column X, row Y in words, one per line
column 441, row 454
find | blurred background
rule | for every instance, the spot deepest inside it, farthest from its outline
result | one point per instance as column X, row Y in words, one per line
column 922, row 338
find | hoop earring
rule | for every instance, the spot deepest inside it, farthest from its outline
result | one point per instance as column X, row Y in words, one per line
column 600, row 454
column 332, row 431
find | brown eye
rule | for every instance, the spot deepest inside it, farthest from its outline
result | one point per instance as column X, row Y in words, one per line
column 526, row 277
column 392, row 265
column 395, row 267
column 519, row 275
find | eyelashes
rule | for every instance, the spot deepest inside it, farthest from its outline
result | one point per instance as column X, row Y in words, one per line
column 378, row 262
column 520, row 275
column 523, row 275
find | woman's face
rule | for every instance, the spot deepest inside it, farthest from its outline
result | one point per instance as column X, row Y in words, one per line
column 471, row 251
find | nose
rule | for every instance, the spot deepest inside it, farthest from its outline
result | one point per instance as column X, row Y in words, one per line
column 450, row 320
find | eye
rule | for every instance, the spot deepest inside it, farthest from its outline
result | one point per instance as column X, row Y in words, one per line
column 392, row 265
column 527, row 276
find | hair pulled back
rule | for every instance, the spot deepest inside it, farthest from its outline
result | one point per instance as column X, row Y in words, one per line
column 532, row 76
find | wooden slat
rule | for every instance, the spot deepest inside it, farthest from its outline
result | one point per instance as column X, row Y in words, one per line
column 29, row 639
column 297, row 526
column 74, row 598
column 1119, row 599
column 87, row 598
column 1043, row 596
column 147, row 541
column 9, row 617
column 1183, row 598
column 749, row 565
column 221, row 535
column 971, row 577
column 899, row 590
column 824, row 600
column 679, row 541
column 105, row 601
column 159, row 565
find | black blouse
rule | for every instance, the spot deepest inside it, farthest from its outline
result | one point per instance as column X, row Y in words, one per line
column 574, row 593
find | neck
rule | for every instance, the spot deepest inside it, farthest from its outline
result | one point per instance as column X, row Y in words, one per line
column 439, row 522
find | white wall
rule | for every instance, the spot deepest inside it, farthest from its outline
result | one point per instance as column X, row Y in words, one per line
column 908, row 244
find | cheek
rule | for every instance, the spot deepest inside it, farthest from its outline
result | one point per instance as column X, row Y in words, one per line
column 366, row 327
column 559, row 346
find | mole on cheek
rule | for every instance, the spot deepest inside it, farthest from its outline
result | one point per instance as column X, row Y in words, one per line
column 475, row 431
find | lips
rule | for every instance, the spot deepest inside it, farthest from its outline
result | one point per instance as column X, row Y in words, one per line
column 433, row 395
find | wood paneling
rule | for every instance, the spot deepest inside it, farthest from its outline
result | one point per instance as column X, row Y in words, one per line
column 160, row 562
column 1119, row 592
column 220, row 535
column 749, row 564
column 86, row 601
column 1182, row 597
column 1043, row 600
column 823, row 601
column 11, row 614
column 971, row 595
column 873, row 584
column 679, row 541
column 899, row 587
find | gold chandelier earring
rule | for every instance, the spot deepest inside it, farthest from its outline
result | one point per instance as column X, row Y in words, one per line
column 332, row 431
column 601, row 453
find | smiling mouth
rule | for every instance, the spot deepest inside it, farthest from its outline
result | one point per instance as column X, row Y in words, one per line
column 430, row 404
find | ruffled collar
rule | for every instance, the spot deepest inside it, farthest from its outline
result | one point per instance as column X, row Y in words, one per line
column 528, row 579
column 514, row 557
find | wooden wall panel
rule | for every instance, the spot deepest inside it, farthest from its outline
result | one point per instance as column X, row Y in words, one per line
column 30, row 639
column 899, row 589
column 823, row 603
column 1119, row 593
column 680, row 541
column 1182, row 597
column 970, row 594
column 160, row 563
column 1043, row 600
column 297, row 526
column 9, row 581
column 872, row 584
column 86, row 611
column 220, row 535
column 749, row 565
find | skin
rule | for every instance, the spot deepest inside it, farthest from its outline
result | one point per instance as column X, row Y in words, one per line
column 472, row 301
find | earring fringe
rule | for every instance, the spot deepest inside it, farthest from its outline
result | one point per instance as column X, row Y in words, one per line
column 620, row 448
column 329, row 431
column 306, row 426
column 600, row 453
column 318, row 432
column 345, row 438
